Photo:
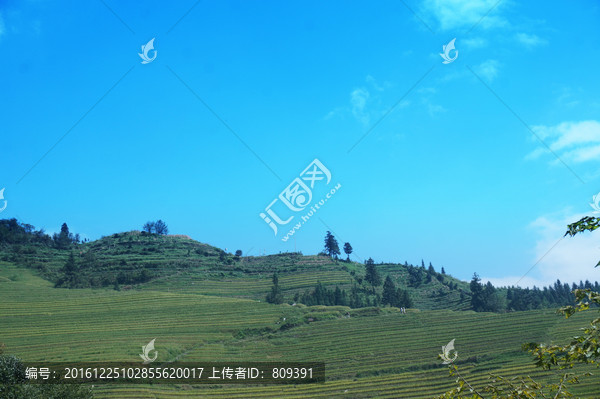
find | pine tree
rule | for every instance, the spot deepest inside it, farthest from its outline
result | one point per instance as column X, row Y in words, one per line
column 337, row 296
column 389, row 292
column 431, row 270
column 64, row 239
column 69, row 270
column 491, row 302
column 403, row 299
column 477, row 302
column 371, row 275
column 331, row 245
column 275, row 296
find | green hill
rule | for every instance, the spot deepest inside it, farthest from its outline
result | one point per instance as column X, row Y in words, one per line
column 136, row 260
column 372, row 353
column 203, row 304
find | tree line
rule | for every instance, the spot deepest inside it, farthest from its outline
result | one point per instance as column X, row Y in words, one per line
column 159, row 227
column 14, row 232
column 358, row 297
column 487, row 298
column 72, row 275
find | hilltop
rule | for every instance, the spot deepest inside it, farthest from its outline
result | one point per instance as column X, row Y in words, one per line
column 140, row 260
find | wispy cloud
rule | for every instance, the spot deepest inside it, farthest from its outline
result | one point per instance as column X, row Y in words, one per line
column 575, row 142
column 458, row 14
column 427, row 99
column 570, row 260
column 529, row 40
column 474, row 43
column 358, row 99
column 488, row 69
column 574, row 258
column 370, row 79
column 567, row 97
column 365, row 102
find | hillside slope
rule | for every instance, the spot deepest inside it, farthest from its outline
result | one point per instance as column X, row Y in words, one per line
column 136, row 260
column 372, row 353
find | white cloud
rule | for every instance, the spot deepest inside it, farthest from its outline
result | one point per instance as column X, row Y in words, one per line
column 456, row 14
column 335, row 112
column 427, row 90
column 427, row 99
column 365, row 101
column 529, row 40
column 570, row 260
column 517, row 281
column 435, row 109
column 573, row 258
column 370, row 79
column 568, row 97
column 576, row 142
column 358, row 99
column 474, row 43
column 488, row 69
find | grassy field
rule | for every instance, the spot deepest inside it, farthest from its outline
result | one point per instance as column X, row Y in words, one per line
column 179, row 264
column 372, row 353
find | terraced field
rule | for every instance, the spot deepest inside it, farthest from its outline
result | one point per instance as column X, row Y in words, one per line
column 179, row 264
column 248, row 287
column 369, row 354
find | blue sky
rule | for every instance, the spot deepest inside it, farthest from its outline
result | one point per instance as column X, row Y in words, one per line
column 242, row 96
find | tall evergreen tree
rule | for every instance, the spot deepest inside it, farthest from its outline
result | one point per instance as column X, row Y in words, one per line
column 431, row 270
column 70, row 277
column 477, row 301
column 371, row 275
column 70, row 268
column 64, row 239
column 275, row 296
column 491, row 301
column 389, row 292
column 331, row 245
column 403, row 299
